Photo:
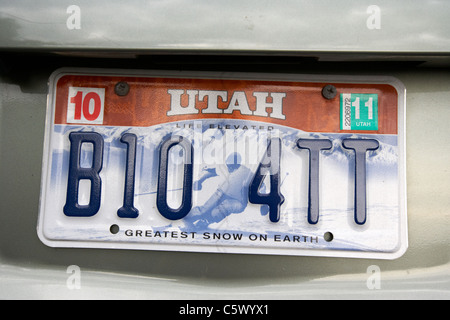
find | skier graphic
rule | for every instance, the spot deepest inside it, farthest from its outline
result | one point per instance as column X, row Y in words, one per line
column 231, row 196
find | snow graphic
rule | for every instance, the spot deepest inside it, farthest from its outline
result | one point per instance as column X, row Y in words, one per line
column 226, row 156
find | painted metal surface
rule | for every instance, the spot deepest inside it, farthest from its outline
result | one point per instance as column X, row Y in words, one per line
column 394, row 27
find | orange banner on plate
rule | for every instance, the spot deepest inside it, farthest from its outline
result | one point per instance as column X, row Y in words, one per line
column 152, row 101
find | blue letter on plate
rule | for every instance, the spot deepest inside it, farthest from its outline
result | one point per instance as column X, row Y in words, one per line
column 76, row 173
column 270, row 165
column 161, row 197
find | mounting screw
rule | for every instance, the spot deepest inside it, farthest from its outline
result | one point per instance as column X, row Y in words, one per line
column 122, row 88
column 329, row 91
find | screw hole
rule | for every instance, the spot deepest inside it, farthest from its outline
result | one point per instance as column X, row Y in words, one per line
column 122, row 88
column 329, row 92
column 328, row 236
column 114, row 229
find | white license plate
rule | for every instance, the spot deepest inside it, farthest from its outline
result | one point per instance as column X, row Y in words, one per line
column 213, row 162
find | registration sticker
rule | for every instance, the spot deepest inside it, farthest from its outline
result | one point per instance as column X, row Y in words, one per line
column 359, row 111
column 235, row 163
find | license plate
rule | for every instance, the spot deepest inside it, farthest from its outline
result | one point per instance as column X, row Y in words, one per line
column 214, row 162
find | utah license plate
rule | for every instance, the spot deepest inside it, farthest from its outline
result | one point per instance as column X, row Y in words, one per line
column 213, row 162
